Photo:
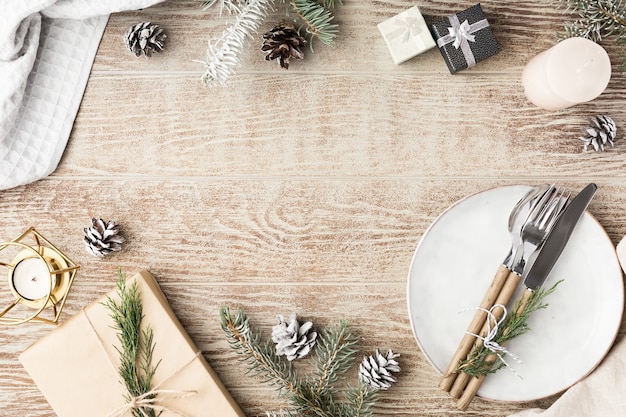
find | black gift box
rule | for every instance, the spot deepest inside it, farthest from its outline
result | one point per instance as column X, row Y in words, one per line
column 465, row 38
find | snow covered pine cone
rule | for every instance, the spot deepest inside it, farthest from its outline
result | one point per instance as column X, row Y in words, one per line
column 283, row 42
column 376, row 370
column 102, row 238
column 144, row 37
column 293, row 339
column 600, row 132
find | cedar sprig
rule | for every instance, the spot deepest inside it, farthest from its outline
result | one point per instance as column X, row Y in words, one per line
column 597, row 19
column 136, row 344
column 515, row 324
column 315, row 395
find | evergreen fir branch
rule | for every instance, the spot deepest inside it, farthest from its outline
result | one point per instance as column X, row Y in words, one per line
column 515, row 324
column 136, row 346
column 263, row 361
column 597, row 19
column 330, row 4
column 261, row 357
column 230, row 5
column 336, row 350
column 281, row 413
column 316, row 396
column 360, row 400
column 317, row 19
column 223, row 56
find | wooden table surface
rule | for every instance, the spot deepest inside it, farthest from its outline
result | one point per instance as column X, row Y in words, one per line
column 304, row 190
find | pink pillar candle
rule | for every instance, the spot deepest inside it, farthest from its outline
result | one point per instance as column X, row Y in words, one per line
column 575, row 70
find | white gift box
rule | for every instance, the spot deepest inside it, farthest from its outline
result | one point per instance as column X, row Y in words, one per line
column 406, row 35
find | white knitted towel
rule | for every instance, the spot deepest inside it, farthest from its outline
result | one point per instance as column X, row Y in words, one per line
column 47, row 48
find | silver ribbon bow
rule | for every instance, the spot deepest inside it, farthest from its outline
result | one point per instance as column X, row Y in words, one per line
column 408, row 27
column 460, row 35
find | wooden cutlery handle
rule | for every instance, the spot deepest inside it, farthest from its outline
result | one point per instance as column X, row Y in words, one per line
column 474, row 384
column 475, row 325
column 512, row 281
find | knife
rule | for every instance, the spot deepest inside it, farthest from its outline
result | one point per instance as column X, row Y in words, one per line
column 557, row 239
column 548, row 255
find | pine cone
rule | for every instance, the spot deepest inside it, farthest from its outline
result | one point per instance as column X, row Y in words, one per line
column 102, row 238
column 144, row 37
column 602, row 130
column 283, row 42
column 375, row 370
column 293, row 340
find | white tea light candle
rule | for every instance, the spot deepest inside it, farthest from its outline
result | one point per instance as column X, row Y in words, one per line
column 575, row 70
column 31, row 279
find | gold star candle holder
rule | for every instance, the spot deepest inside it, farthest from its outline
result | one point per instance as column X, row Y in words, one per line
column 40, row 277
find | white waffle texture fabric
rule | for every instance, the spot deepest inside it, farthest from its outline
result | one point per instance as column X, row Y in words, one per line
column 47, row 48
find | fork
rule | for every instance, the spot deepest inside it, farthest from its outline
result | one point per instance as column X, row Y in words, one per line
column 540, row 222
column 517, row 219
column 538, row 226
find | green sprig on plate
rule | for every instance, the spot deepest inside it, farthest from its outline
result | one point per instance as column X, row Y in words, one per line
column 481, row 360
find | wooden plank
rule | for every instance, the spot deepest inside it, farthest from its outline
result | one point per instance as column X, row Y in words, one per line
column 271, row 231
column 333, row 125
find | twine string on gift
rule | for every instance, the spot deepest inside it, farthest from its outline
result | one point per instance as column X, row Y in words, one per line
column 461, row 34
column 492, row 331
column 149, row 400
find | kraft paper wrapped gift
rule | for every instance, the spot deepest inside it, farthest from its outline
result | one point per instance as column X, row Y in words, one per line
column 75, row 365
column 465, row 38
column 406, row 35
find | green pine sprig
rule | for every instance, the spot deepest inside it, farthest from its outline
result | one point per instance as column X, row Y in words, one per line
column 330, row 4
column 597, row 19
column 315, row 395
column 515, row 324
column 317, row 19
column 136, row 344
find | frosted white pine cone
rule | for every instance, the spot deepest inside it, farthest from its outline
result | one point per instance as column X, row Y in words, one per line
column 600, row 132
column 144, row 38
column 293, row 339
column 102, row 238
column 376, row 370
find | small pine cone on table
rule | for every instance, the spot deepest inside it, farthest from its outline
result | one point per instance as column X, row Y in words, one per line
column 600, row 132
column 293, row 339
column 376, row 370
column 103, row 238
column 144, row 37
column 283, row 42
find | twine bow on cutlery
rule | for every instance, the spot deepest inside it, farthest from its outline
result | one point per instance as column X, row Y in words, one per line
column 489, row 340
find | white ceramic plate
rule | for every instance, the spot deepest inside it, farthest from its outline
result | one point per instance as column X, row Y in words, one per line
column 454, row 264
